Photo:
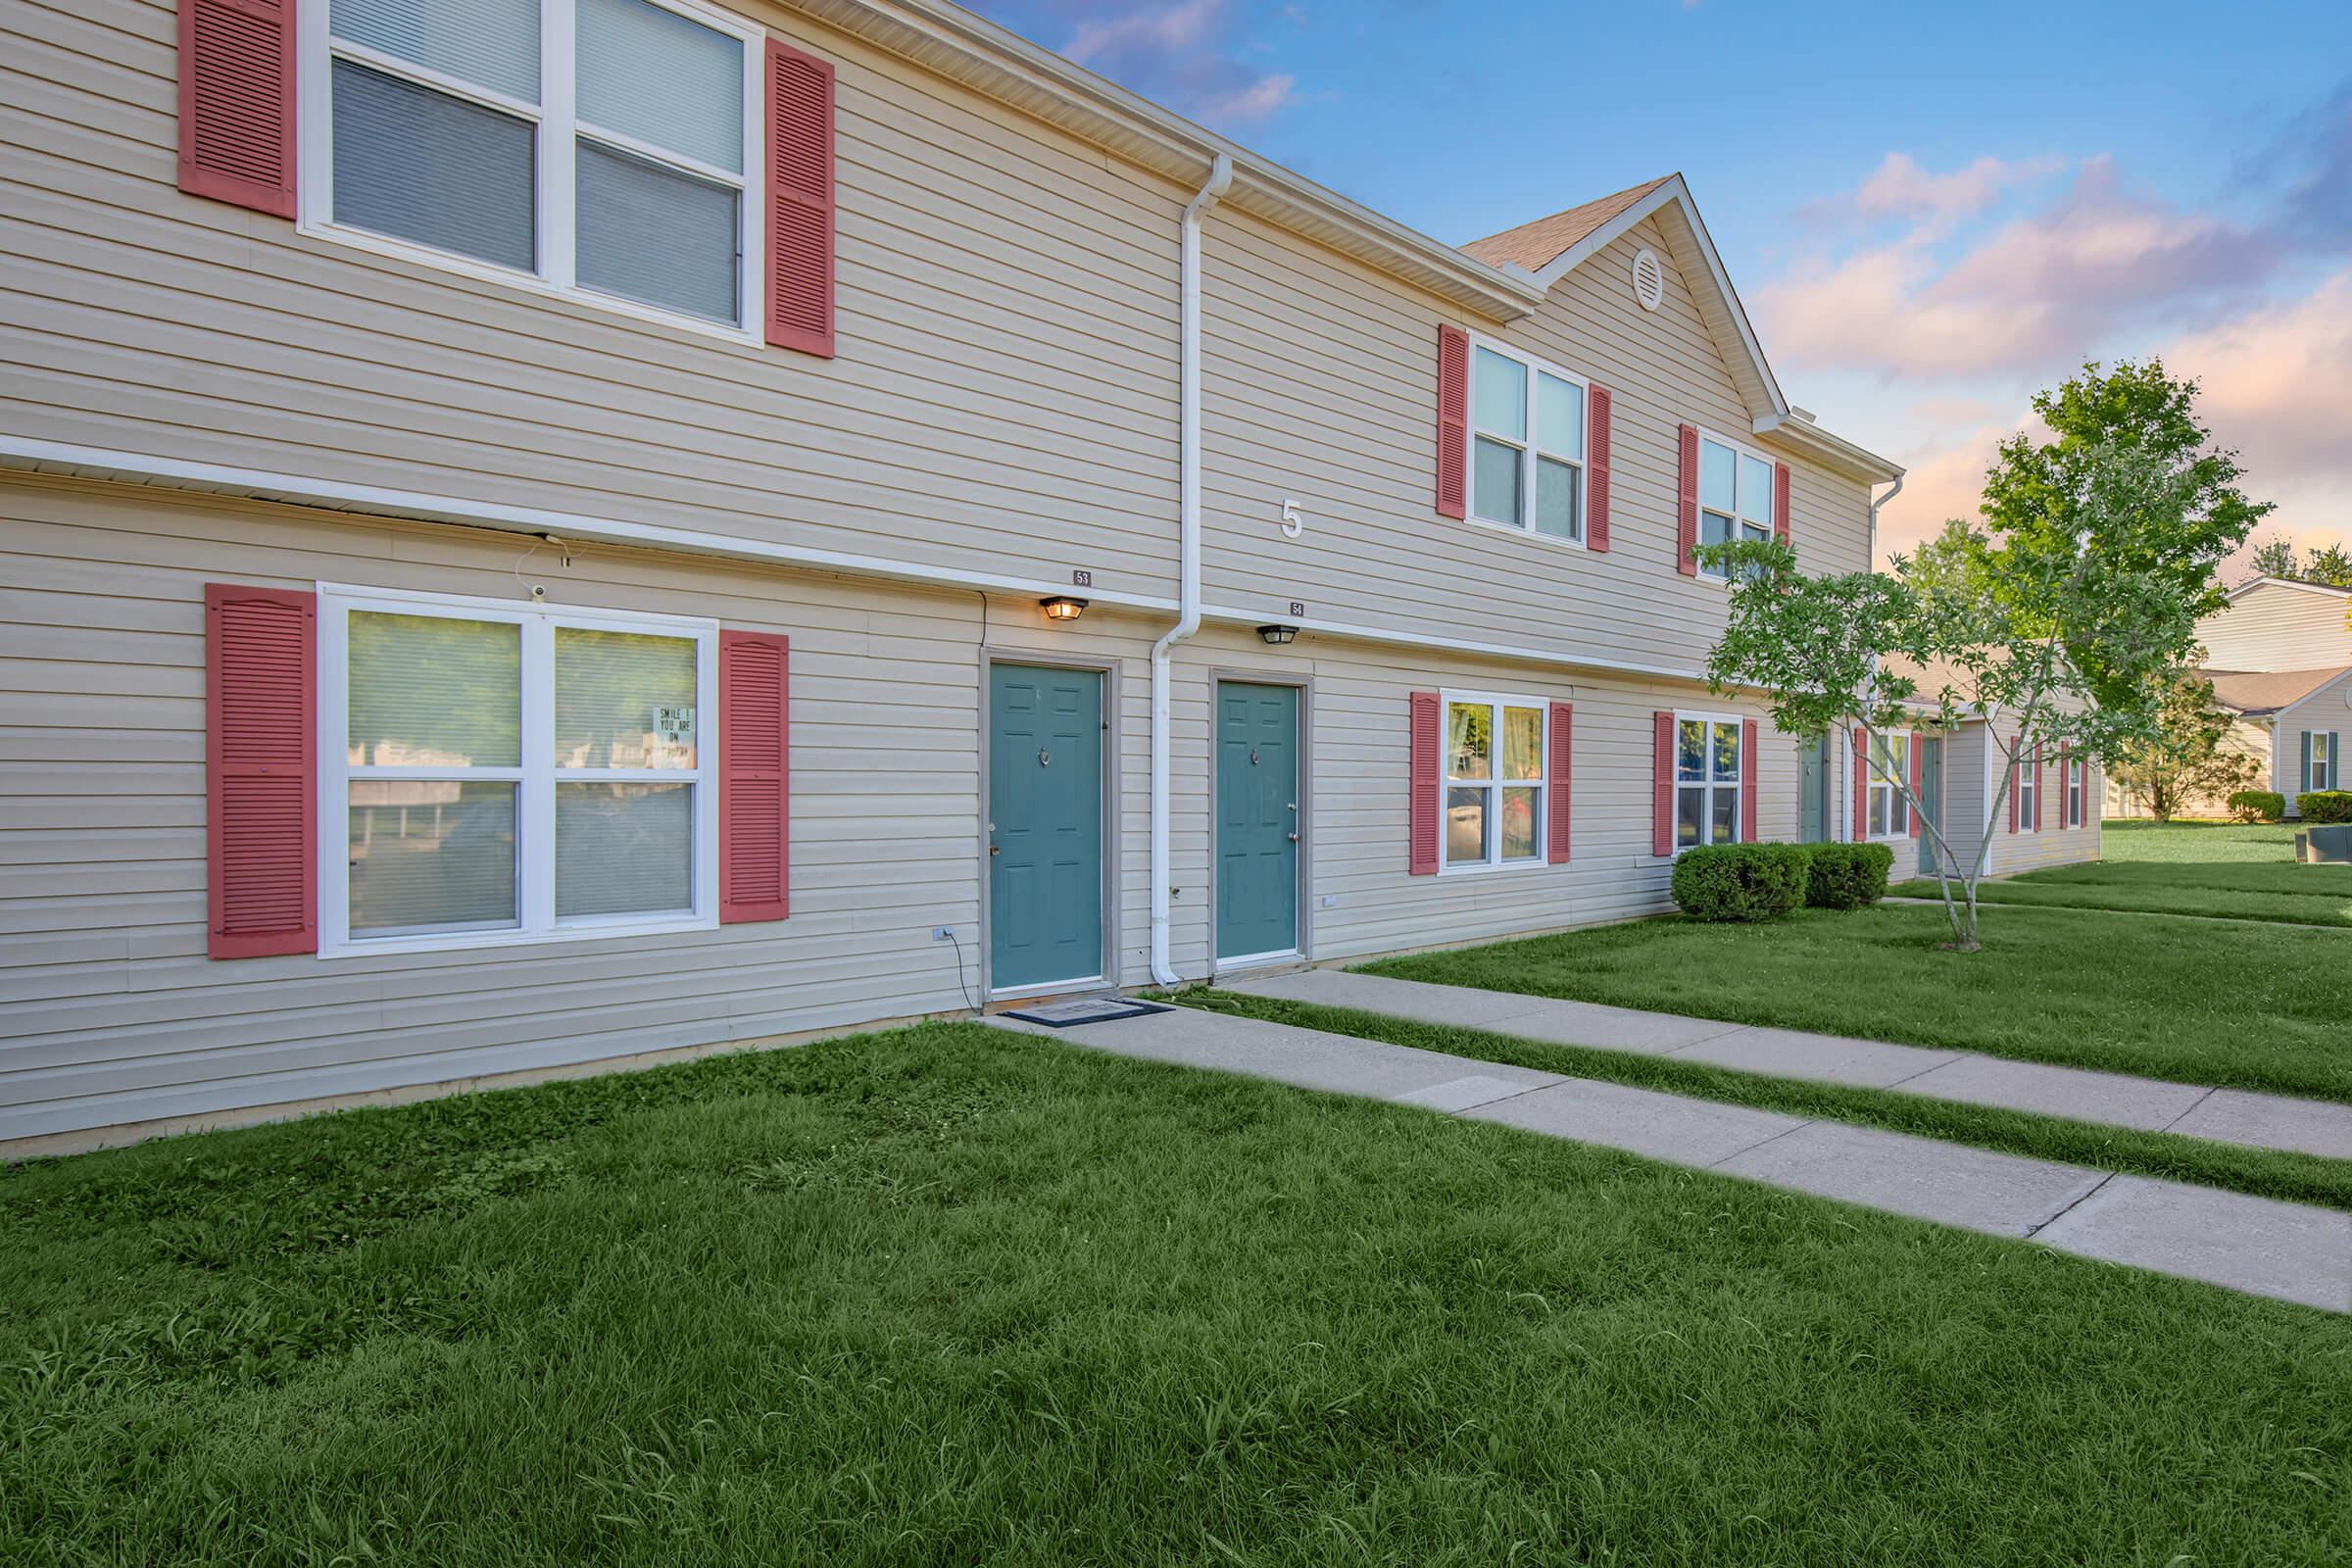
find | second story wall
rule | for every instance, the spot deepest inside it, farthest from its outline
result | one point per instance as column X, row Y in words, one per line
column 1005, row 385
column 1320, row 386
column 2280, row 626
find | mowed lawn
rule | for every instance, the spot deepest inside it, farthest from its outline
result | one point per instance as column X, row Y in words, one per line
column 2247, row 873
column 2207, row 1002
column 952, row 1296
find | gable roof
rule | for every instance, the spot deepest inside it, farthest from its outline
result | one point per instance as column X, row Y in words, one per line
column 2254, row 692
column 1537, row 245
column 2252, row 583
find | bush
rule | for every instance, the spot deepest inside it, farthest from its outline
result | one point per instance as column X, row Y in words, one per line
column 1847, row 877
column 2256, row 806
column 1740, row 881
column 2325, row 806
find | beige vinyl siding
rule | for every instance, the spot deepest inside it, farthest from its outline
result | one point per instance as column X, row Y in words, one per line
column 1319, row 385
column 115, row 1013
column 1007, row 329
column 2320, row 712
column 2280, row 626
column 2246, row 737
column 2027, row 850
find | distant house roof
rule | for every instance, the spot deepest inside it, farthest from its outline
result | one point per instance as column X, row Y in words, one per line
column 2255, row 691
column 1537, row 245
column 2252, row 583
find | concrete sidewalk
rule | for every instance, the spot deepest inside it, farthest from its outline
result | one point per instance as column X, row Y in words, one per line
column 2116, row 1099
column 2267, row 1248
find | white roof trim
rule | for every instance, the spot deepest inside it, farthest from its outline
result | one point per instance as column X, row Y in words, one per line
column 2252, row 583
column 1674, row 193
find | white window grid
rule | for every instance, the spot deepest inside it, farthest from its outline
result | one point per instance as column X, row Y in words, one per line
column 1491, row 784
column 1737, row 526
column 535, row 778
column 1532, row 453
column 1890, row 764
column 1714, row 782
column 556, row 129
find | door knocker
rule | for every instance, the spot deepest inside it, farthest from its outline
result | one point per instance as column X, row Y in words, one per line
column 1044, row 758
column 1253, row 757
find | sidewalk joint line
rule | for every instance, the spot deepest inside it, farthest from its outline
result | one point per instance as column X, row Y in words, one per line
column 2191, row 1110
column 1758, row 1143
column 1954, row 1058
column 2098, row 1188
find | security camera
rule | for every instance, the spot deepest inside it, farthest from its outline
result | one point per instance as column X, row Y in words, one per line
column 538, row 590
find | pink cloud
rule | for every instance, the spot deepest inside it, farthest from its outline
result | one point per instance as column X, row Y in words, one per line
column 1900, row 188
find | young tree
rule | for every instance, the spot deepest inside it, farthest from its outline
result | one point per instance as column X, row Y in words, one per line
column 2275, row 557
column 2009, row 634
column 2188, row 758
column 2331, row 564
column 2039, row 501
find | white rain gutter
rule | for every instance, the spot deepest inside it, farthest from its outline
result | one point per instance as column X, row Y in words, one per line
column 1188, row 545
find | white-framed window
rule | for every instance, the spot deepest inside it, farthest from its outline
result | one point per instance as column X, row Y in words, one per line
column 2073, row 792
column 1527, row 444
column 2027, row 800
column 1497, row 751
column 493, row 773
column 605, row 149
column 1706, row 779
column 1735, row 497
column 2319, row 767
column 1890, row 762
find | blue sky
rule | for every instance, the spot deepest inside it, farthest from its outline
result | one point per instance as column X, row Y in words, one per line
column 1928, row 210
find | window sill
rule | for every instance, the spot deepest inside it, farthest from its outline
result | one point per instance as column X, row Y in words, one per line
column 527, row 283
column 482, row 941
column 1472, row 520
column 1487, row 867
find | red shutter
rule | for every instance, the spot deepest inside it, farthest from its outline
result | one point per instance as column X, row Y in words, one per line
column 1422, row 778
column 2013, row 778
column 1861, row 785
column 1748, row 781
column 1918, row 777
column 1598, row 466
column 1779, row 502
column 754, row 776
column 1454, row 421
column 1686, row 511
column 260, row 691
column 236, row 102
column 1563, row 766
column 800, row 201
column 2037, row 789
column 1661, row 786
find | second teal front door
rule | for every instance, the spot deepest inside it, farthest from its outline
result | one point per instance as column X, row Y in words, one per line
column 1045, row 825
column 1258, row 821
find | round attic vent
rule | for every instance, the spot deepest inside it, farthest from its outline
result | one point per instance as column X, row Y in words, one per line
column 1649, row 278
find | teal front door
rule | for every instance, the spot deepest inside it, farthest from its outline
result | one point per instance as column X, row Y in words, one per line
column 1931, row 795
column 1259, row 822
column 1045, row 825
column 1812, row 790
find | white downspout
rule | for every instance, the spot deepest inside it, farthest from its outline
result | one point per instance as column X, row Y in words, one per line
column 1188, row 545
column 1870, row 562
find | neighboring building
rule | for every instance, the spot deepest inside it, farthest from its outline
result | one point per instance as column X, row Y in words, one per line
column 2276, row 623
column 2280, row 658
column 2048, row 814
column 526, row 545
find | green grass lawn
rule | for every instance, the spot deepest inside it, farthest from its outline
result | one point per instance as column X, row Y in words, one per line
column 951, row 1296
column 2262, row 1172
column 2247, row 873
column 2208, row 1001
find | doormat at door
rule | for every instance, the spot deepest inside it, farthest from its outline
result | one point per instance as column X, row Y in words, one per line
column 1087, row 1010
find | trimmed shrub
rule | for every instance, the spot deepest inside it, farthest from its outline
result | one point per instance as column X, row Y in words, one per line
column 2257, row 806
column 1847, row 877
column 1741, row 882
column 2325, row 806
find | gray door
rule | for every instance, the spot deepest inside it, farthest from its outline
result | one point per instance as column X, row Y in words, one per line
column 1045, row 825
column 1812, row 790
column 1931, row 795
column 1259, row 822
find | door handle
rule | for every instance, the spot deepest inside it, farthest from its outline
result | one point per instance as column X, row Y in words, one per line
column 995, row 849
column 1293, row 838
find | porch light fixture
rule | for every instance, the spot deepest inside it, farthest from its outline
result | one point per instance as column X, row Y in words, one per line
column 1276, row 635
column 1061, row 607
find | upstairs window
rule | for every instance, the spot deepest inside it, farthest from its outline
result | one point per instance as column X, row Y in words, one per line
column 2029, row 807
column 606, row 148
column 1495, row 761
column 1527, row 430
column 1735, row 498
column 1890, row 762
column 2073, row 792
column 1706, row 781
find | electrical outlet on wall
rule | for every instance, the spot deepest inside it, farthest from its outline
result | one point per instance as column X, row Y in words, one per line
column 943, row 933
